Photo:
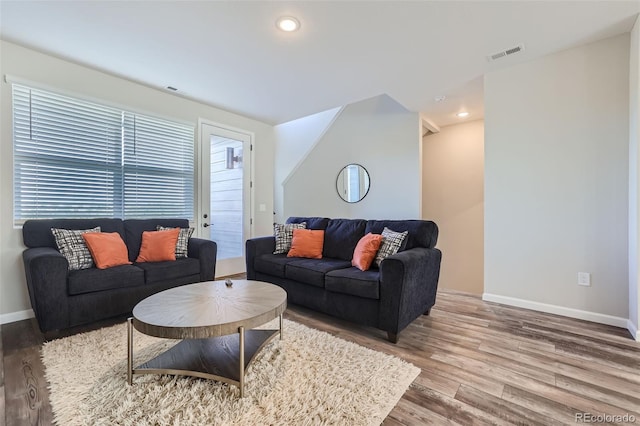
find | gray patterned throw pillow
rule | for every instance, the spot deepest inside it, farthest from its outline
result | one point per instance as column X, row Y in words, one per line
column 390, row 244
column 284, row 235
column 182, row 246
column 73, row 247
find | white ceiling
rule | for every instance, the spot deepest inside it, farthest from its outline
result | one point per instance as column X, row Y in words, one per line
column 230, row 55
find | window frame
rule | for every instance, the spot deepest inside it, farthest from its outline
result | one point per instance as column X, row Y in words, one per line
column 185, row 176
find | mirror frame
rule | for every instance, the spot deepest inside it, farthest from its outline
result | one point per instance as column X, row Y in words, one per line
column 368, row 186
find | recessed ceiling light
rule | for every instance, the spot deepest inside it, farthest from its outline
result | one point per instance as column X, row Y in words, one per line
column 462, row 114
column 288, row 24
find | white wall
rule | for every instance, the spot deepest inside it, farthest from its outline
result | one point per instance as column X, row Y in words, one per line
column 293, row 141
column 453, row 197
column 556, row 182
column 68, row 77
column 634, row 165
column 382, row 136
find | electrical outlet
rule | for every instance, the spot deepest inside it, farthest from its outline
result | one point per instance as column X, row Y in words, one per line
column 584, row 278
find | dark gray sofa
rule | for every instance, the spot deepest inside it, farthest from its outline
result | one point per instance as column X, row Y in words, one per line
column 389, row 298
column 62, row 299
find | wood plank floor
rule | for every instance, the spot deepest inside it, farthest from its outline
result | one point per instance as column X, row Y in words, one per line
column 482, row 363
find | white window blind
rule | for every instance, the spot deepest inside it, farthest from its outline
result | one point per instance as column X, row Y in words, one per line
column 158, row 168
column 78, row 159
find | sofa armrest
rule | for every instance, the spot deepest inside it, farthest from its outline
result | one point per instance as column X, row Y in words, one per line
column 47, row 271
column 408, row 286
column 256, row 247
column 206, row 251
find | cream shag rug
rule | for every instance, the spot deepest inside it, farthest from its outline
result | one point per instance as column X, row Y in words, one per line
column 309, row 378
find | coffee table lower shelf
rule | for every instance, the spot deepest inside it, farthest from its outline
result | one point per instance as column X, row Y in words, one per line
column 218, row 358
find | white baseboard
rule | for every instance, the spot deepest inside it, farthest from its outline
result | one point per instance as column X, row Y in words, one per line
column 559, row 310
column 633, row 330
column 16, row 316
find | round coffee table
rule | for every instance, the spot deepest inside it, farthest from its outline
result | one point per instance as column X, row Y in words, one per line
column 216, row 323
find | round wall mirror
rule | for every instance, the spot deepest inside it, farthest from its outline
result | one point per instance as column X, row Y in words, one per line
column 353, row 183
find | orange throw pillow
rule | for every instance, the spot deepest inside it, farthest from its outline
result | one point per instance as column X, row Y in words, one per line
column 158, row 246
column 107, row 249
column 366, row 251
column 307, row 243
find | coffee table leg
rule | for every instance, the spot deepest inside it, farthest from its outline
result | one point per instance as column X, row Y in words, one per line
column 241, row 331
column 280, row 326
column 130, row 350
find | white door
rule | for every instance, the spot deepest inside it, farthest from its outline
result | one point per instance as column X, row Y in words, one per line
column 224, row 207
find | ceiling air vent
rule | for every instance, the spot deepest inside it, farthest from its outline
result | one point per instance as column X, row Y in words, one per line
column 504, row 53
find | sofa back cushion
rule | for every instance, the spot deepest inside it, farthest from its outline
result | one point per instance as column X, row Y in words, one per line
column 134, row 228
column 37, row 232
column 319, row 223
column 341, row 237
column 422, row 233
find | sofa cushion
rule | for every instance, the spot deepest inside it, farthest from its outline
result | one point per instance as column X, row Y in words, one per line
column 366, row 251
column 93, row 279
column 307, row 243
column 312, row 271
column 355, row 282
column 341, row 238
column 422, row 233
column 283, row 233
column 107, row 249
column 182, row 245
column 163, row 271
column 37, row 232
column 73, row 248
column 133, row 229
column 158, row 246
column 312, row 222
column 272, row 264
column 391, row 243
